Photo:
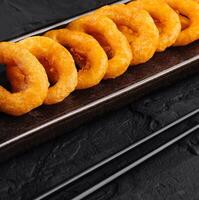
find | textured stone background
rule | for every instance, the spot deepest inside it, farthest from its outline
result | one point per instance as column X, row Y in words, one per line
column 171, row 175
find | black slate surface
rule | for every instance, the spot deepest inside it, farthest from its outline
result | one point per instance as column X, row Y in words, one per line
column 18, row 17
column 171, row 175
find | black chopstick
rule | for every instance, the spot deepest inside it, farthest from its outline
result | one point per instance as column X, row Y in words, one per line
column 118, row 164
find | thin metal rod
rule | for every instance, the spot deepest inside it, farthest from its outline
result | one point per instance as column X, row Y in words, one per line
column 131, row 166
column 164, row 131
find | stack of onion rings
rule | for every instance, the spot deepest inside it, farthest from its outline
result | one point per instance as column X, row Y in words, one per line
column 87, row 52
column 138, row 27
column 165, row 18
column 21, row 102
column 111, row 39
column 101, row 45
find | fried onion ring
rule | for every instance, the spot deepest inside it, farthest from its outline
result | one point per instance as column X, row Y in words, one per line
column 138, row 27
column 110, row 38
column 87, row 53
column 190, row 9
column 58, row 63
column 165, row 18
column 19, row 103
column 184, row 20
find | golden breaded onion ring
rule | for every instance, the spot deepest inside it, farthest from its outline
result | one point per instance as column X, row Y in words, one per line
column 165, row 18
column 58, row 63
column 138, row 27
column 190, row 9
column 19, row 103
column 87, row 52
column 185, row 22
column 110, row 38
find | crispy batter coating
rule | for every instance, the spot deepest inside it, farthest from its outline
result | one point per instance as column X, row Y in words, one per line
column 189, row 9
column 165, row 18
column 138, row 27
column 16, row 78
column 110, row 38
column 184, row 22
column 21, row 102
column 58, row 63
column 88, row 54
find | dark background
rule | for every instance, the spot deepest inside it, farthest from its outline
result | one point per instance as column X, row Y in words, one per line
column 22, row 16
column 171, row 175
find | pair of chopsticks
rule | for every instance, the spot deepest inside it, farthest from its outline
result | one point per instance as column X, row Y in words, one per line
column 104, row 172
